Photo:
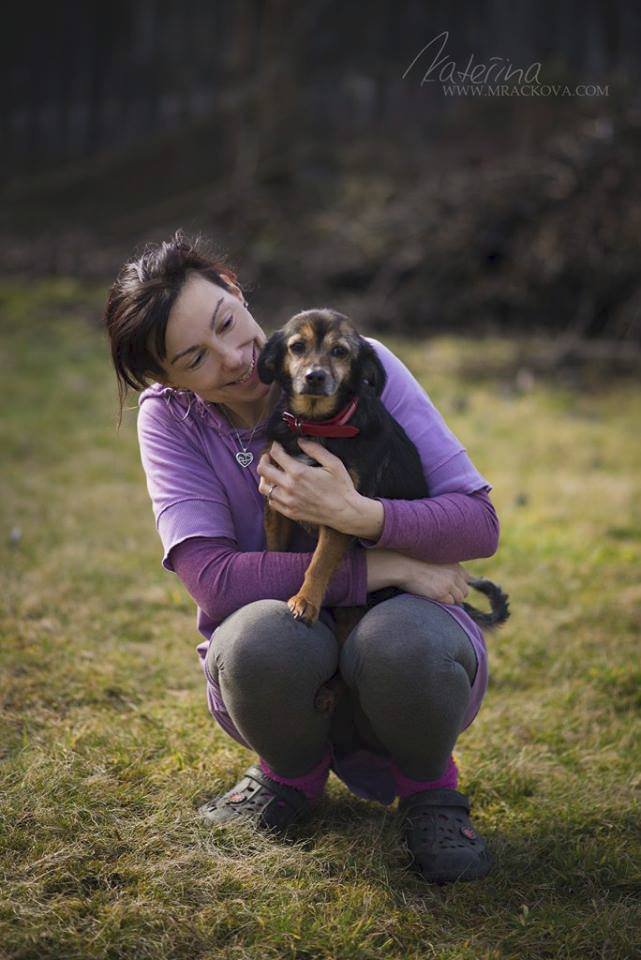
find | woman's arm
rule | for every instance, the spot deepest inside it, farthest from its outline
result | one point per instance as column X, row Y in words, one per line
column 445, row 582
column 450, row 528
column 221, row 579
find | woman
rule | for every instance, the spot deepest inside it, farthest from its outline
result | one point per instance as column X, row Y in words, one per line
column 415, row 665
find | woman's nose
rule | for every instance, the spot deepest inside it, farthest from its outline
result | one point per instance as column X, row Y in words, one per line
column 233, row 362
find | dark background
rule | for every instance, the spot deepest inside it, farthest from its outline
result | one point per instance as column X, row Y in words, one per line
column 286, row 132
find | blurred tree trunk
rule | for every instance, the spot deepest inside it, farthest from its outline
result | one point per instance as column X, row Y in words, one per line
column 277, row 85
column 239, row 134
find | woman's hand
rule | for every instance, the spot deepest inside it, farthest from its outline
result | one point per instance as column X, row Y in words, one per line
column 312, row 494
column 445, row 582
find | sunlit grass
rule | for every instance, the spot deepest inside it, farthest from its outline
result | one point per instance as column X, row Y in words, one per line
column 107, row 746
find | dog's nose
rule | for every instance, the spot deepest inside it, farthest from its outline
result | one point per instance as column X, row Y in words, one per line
column 315, row 378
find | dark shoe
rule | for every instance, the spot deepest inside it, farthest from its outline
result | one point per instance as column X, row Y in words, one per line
column 270, row 805
column 441, row 841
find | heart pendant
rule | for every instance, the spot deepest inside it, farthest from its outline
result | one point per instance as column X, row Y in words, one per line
column 244, row 457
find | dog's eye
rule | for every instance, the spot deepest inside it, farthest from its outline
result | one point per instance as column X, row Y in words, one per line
column 339, row 351
column 297, row 347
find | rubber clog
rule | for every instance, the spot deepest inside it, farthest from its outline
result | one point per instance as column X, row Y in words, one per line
column 271, row 806
column 442, row 843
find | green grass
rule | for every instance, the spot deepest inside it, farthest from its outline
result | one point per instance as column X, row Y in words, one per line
column 107, row 747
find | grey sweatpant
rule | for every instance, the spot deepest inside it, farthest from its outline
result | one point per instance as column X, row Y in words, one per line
column 408, row 665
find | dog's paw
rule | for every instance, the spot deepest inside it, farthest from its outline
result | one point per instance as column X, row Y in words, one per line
column 303, row 609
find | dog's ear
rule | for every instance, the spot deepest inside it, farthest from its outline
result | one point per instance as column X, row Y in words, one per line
column 371, row 370
column 271, row 357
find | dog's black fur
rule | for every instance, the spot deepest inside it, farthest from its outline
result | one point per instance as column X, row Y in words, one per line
column 383, row 457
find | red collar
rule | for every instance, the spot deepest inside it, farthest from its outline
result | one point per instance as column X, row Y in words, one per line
column 335, row 427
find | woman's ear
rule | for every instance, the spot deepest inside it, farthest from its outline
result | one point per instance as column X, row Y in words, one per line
column 271, row 357
column 371, row 370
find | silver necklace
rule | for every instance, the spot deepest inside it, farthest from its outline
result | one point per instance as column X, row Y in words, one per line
column 244, row 456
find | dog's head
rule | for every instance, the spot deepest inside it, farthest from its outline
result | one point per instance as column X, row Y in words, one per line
column 319, row 359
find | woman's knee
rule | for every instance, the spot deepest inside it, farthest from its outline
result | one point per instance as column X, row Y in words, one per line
column 407, row 637
column 263, row 641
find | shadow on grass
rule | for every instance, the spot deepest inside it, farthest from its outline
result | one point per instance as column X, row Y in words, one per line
column 566, row 885
column 570, row 856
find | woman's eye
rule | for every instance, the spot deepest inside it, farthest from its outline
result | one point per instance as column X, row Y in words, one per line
column 196, row 363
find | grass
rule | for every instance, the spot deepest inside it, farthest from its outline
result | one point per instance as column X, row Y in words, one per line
column 107, row 747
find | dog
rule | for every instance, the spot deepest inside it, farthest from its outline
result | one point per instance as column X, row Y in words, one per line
column 332, row 380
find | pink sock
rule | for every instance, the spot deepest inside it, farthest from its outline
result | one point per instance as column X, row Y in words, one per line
column 405, row 786
column 312, row 784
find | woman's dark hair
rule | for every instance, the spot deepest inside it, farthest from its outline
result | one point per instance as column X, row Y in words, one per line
column 141, row 298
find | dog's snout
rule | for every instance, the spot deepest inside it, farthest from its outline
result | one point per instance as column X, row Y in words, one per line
column 316, row 378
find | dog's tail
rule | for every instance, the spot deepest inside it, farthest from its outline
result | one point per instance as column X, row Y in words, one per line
column 498, row 602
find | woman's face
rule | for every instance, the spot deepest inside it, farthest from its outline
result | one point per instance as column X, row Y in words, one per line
column 211, row 341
